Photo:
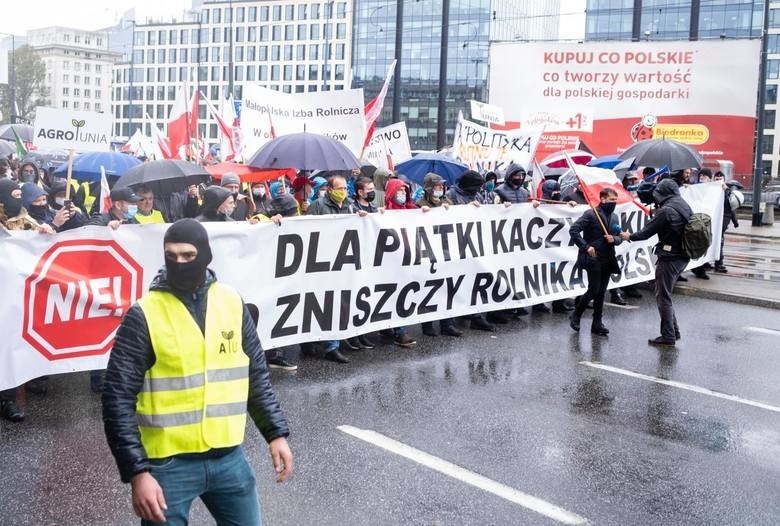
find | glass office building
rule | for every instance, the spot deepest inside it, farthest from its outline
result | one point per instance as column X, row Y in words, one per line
column 697, row 20
column 472, row 25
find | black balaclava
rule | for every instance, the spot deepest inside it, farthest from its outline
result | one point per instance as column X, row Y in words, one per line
column 12, row 205
column 188, row 277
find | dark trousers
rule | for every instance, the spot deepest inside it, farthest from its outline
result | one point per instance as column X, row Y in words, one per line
column 719, row 262
column 666, row 273
column 598, row 280
column 8, row 395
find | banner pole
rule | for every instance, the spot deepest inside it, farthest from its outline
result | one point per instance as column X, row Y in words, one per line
column 70, row 174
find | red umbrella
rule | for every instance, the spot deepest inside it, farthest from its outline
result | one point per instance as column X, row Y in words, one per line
column 249, row 174
column 558, row 159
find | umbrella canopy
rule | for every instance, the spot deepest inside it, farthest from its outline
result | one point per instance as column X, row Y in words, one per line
column 86, row 167
column 558, row 159
column 304, row 151
column 6, row 148
column 663, row 152
column 24, row 131
column 164, row 177
column 415, row 168
column 249, row 174
column 607, row 161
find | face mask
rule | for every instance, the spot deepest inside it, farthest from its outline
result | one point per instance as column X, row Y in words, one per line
column 38, row 210
column 608, row 208
column 370, row 196
column 338, row 196
column 259, row 192
column 517, row 181
column 400, row 198
column 60, row 201
column 131, row 211
column 438, row 193
column 323, row 193
column 490, row 186
column 28, row 177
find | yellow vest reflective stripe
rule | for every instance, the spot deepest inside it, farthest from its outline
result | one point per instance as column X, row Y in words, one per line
column 194, row 396
column 155, row 217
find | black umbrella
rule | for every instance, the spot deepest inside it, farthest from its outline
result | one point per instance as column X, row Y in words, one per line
column 24, row 131
column 663, row 152
column 164, row 177
column 304, row 151
column 6, row 148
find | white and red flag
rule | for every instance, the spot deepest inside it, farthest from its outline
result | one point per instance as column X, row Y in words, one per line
column 374, row 107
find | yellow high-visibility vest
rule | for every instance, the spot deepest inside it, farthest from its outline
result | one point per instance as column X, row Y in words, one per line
column 155, row 217
column 194, row 396
column 89, row 199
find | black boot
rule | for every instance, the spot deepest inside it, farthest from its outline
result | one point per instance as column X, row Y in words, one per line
column 598, row 328
column 10, row 411
column 497, row 317
column 616, row 297
column 574, row 320
column 540, row 307
column 428, row 329
column 480, row 323
column 449, row 329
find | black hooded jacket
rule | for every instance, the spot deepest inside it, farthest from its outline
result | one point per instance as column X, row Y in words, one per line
column 133, row 355
column 668, row 222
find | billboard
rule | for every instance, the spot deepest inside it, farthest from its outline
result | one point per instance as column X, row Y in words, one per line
column 609, row 95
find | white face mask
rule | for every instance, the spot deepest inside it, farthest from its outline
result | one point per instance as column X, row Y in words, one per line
column 323, row 193
column 438, row 193
column 400, row 198
column 60, row 201
column 259, row 192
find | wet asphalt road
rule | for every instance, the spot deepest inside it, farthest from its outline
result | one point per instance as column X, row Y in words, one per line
column 517, row 406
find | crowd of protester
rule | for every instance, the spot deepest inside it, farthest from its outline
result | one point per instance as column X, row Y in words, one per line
column 32, row 199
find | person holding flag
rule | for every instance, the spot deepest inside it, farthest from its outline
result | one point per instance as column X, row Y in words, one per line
column 596, row 233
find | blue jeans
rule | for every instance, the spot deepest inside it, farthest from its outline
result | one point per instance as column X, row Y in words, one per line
column 226, row 485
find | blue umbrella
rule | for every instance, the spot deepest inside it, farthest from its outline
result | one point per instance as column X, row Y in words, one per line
column 304, row 151
column 418, row 166
column 86, row 167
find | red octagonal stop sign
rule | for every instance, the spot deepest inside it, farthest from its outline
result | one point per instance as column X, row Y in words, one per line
column 75, row 298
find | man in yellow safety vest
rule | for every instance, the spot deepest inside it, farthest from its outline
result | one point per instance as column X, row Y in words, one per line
column 146, row 211
column 185, row 368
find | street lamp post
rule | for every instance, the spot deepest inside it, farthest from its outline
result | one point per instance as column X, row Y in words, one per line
column 12, row 77
column 230, row 48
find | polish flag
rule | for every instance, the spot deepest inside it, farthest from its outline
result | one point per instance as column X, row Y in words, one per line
column 162, row 149
column 374, row 107
column 178, row 123
column 105, row 192
column 593, row 180
column 230, row 118
column 227, row 146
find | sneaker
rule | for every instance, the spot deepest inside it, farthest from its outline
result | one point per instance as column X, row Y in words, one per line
column 405, row 340
column 281, row 363
column 661, row 342
column 365, row 342
column 11, row 412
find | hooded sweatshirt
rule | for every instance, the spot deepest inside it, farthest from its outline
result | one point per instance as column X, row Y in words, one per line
column 508, row 192
column 394, row 186
column 213, row 197
column 668, row 222
column 41, row 213
column 380, row 178
column 317, row 184
column 467, row 189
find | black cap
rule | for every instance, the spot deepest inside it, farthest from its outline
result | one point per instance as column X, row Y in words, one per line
column 124, row 194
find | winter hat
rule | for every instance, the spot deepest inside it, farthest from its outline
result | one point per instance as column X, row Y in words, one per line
column 230, row 178
column 213, row 197
column 549, row 187
column 431, row 179
column 284, row 204
column 275, row 189
column 471, row 180
column 31, row 192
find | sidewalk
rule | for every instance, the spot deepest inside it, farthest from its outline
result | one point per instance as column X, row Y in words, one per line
column 753, row 261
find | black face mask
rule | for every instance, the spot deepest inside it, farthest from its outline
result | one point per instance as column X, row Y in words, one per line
column 28, row 177
column 370, row 196
column 608, row 208
column 188, row 277
column 13, row 206
column 38, row 210
column 517, row 181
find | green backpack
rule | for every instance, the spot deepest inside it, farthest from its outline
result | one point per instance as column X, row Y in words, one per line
column 697, row 234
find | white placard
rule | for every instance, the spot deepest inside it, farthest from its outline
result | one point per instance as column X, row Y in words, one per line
column 487, row 113
column 485, row 149
column 389, row 146
column 60, row 129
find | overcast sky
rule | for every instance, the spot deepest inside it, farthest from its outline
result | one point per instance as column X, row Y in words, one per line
column 20, row 15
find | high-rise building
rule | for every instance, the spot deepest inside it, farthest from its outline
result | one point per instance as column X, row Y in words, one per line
column 78, row 67
column 472, row 25
column 698, row 20
column 288, row 45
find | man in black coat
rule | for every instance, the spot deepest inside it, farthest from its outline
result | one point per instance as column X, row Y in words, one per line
column 596, row 256
column 669, row 223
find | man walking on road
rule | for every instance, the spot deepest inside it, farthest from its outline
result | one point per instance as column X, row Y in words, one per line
column 185, row 368
column 596, row 257
column 669, row 223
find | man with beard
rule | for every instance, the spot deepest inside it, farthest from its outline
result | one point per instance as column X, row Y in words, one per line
column 185, row 368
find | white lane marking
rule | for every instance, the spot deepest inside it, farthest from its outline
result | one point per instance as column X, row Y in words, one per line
column 627, row 307
column 464, row 475
column 681, row 385
column 764, row 330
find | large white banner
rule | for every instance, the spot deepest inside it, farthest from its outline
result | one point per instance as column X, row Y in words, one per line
column 389, row 146
column 312, row 278
column 337, row 114
column 58, row 129
column 484, row 149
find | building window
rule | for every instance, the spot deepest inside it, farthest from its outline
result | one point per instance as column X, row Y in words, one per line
column 76, row 105
column 239, row 34
column 289, row 32
column 66, row 78
column 262, row 73
column 263, row 53
column 300, row 72
column 98, row 94
column 98, row 107
column 772, row 68
column 65, row 104
column 341, row 10
column 217, row 15
column 263, row 33
column 66, row 64
column 315, row 11
column 313, row 51
column 76, row 79
column 151, row 38
column 277, row 33
column 87, row 93
column 339, row 51
column 251, row 73
column 216, row 35
column 97, row 81
column 277, row 13
column 264, row 13
column 339, row 71
column 768, row 144
column 313, row 72
column 253, row 14
column 288, row 52
column 341, row 31
column 239, row 14
column 315, row 32
column 184, row 36
column 66, row 91
column 300, row 52
column 251, row 34
column 215, row 54
column 86, row 105
column 301, row 11
column 275, row 52
column 771, row 94
column 274, row 72
column 769, row 119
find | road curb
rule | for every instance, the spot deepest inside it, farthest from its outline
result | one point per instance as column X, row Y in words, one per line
column 757, row 236
column 766, row 303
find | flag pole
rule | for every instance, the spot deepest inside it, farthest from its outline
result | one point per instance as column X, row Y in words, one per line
column 582, row 188
column 70, row 174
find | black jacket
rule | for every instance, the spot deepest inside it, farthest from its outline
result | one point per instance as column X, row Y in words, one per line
column 105, row 219
column 587, row 232
column 510, row 194
column 669, row 224
column 132, row 355
column 326, row 206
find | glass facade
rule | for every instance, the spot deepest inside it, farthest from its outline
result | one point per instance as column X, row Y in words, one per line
column 374, row 50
